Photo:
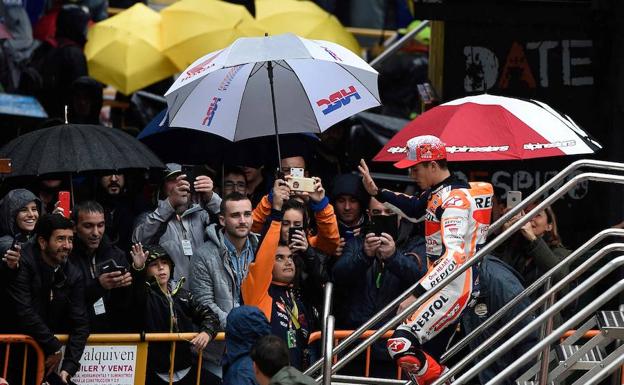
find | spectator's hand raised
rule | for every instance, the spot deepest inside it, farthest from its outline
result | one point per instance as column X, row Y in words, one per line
column 299, row 242
column 138, row 256
column 200, row 341
column 180, row 193
column 115, row 279
column 387, row 248
column 57, row 209
column 371, row 244
column 205, row 186
column 12, row 257
column 367, row 179
column 281, row 193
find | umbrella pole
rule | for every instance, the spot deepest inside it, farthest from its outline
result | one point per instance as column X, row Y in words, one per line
column 270, row 71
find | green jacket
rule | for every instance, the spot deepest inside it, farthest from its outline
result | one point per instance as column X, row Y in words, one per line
column 291, row 376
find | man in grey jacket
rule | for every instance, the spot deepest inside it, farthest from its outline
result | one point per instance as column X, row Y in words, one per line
column 178, row 224
column 221, row 265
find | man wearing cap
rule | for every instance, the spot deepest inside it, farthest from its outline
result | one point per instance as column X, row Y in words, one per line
column 178, row 224
column 457, row 215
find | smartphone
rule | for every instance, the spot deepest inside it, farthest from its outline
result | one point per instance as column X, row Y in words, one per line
column 513, row 198
column 19, row 240
column 110, row 266
column 291, row 232
column 388, row 224
column 301, row 184
column 5, row 166
column 64, row 198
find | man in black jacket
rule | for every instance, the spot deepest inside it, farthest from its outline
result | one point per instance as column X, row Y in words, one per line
column 48, row 295
column 105, row 270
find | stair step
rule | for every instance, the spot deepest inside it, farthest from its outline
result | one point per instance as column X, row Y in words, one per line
column 586, row 362
column 611, row 322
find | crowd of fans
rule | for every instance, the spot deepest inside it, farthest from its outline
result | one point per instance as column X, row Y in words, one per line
column 204, row 258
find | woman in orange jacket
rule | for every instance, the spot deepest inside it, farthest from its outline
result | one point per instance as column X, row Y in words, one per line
column 327, row 237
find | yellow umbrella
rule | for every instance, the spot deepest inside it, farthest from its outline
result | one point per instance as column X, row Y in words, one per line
column 306, row 19
column 124, row 51
column 192, row 28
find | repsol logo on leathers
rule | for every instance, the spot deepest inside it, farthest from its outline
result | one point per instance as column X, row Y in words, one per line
column 429, row 313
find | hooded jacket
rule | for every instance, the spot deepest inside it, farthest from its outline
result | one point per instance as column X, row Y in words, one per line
column 245, row 325
column 10, row 205
column 291, row 376
column 161, row 226
column 351, row 185
column 212, row 282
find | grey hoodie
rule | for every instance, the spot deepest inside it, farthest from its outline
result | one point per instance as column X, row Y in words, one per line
column 9, row 207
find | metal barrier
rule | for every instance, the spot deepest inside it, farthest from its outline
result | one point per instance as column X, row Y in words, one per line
column 28, row 341
column 518, row 336
column 489, row 247
column 150, row 337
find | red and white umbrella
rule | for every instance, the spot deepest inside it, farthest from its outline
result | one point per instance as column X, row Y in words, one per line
column 489, row 127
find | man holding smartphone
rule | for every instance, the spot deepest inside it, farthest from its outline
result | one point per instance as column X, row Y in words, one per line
column 105, row 269
column 457, row 216
column 375, row 268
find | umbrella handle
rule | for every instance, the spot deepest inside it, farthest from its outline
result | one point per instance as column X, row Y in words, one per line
column 270, row 73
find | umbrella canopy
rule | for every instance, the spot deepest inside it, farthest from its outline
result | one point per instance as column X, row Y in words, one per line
column 76, row 148
column 488, row 127
column 125, row 50
column 193, row 27
column 306, row 19
column 315, row 84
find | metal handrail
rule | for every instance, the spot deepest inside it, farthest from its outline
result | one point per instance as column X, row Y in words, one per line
column 496, row 241
column 329, row 346
column 524, row 332
column 327, row 301
column 551, row 183
column 489, row 247
column 369, row 380
column 468, row 264
column 604, row 372
column 474, row 353
column 399, row 43
column 529, row 290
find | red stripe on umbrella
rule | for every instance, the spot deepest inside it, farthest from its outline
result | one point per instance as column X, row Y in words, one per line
column 474, row 131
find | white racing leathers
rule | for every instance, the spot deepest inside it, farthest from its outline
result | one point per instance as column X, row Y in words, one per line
column 457, row 217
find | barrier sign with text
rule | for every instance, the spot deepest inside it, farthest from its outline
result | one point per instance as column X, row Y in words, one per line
column 111, row 365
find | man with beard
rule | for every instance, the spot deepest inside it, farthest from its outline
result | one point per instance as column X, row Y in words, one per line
column 48, row 295
column 120, row 209
column 221, row 265
column 102, row 264
column 179, row 224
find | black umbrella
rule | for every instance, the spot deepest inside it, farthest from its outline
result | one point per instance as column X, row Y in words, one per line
column 73, row 148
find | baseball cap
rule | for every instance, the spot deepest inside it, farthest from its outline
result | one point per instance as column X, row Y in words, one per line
column 172, row 170
column 422, row 148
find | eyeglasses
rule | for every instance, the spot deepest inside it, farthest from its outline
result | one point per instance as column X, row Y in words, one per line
column 240, row 185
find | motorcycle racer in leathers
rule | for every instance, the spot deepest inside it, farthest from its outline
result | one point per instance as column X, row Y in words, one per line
column 457, row 217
